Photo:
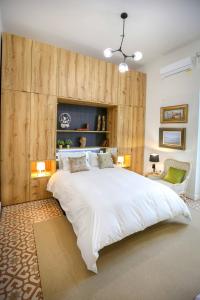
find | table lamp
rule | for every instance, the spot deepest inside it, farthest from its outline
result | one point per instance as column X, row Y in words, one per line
column 154, row 158
column 120, row 160
column 40, row 167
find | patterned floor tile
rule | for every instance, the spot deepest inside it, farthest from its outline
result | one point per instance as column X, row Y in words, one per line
column 19, row 272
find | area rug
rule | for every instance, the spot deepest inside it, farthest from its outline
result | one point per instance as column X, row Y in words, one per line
column 162, row 262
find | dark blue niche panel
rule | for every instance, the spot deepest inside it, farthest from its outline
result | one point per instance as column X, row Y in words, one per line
column 73, row 117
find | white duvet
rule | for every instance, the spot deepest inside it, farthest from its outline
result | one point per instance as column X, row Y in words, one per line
column 106, row 205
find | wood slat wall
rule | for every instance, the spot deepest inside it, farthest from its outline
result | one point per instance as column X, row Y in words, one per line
column 47, row 73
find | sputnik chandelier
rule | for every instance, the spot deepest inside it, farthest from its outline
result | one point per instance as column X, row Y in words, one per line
column 123, row 67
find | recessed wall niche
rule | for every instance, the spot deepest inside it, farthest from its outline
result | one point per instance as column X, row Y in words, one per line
column 76, row 121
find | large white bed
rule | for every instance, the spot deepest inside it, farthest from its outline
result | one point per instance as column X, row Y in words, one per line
column 106, row 205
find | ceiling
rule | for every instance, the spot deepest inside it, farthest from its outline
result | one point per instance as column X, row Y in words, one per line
column 155, row 27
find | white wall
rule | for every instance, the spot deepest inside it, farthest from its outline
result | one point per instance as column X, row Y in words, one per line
column 182, row 88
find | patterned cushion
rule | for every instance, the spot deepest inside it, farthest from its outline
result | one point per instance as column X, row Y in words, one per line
column 78, row 164
column 105, row 160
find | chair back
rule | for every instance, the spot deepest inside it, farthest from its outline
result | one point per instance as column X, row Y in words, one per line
column 186, row 166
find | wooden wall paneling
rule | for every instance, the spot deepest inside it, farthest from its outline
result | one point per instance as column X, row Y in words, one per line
column 15, row 124
column 111, row 83
column 44, row 69
column 98, row 80
column 137, row 160
column 43, row 127
column 16, row 62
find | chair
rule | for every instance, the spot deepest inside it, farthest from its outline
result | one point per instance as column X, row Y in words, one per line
column 179, row 188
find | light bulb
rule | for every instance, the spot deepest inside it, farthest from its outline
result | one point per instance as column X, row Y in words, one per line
column 123, row 67
column 108, row 52
column 137, row 55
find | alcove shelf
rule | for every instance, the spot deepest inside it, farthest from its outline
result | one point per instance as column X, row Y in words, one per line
column 85, row 131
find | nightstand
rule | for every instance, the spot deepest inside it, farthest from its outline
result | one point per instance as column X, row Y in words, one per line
column 154, row 176
column 39, row 179
column 38, row 188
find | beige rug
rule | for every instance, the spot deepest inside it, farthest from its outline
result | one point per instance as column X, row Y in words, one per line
column 161, row 263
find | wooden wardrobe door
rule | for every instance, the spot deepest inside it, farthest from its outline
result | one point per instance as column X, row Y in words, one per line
column 16, row 63
column 15, row 168
column 111, row 83
column 137, row 161
column 43, row 127
column 125, row 129
column 74, row 75
column 98, row 80
column 44, row 69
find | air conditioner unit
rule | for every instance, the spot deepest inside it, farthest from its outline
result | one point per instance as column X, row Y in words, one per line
column 177, row 67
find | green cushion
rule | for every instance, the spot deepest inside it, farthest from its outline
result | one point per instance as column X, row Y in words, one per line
column 174, row 175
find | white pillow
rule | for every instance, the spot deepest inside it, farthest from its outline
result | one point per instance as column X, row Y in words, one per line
column 93, row 159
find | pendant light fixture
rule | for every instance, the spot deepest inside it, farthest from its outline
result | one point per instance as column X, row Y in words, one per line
column 123, row 67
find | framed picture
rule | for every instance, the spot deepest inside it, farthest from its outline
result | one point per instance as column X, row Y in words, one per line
column 173, row 138
column 174, row 114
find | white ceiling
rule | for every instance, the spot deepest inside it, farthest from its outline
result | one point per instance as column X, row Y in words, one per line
column 154, row 27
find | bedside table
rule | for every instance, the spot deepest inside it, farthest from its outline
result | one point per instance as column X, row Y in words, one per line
column 154, row 176
column 38, row 186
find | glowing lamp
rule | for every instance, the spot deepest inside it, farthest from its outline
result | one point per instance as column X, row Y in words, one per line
column 40, row 167
column 120, row 160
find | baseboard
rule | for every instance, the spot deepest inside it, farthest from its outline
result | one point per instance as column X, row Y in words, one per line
column 194, row 197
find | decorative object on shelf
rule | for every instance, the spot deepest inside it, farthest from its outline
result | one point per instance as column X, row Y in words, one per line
column 82, row 141
column 65, row 120
column 68, row 143
column 40, row 168
column 103, row 123
column 85, row 127
column 174, row 114
column 123, row 67
column 105, row 143
column 120, row 161
column 60, row 144
column 154, row 158
column 173, row 138
column 99, row 123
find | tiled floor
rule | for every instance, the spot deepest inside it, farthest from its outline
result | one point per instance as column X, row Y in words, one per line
column 19, row 272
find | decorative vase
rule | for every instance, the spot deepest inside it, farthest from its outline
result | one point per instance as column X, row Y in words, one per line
column 103, row 123
column 68, row 146
column 83, row 141
column 99, row 123
column 60, row 146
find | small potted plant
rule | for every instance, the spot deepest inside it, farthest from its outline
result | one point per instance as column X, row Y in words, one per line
column 68, row 143
column 61, row 144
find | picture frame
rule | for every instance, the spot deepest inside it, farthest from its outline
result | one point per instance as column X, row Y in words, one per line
column 174, row 114
column 174, row 138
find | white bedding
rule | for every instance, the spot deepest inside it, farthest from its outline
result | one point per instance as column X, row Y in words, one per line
column 106, row 205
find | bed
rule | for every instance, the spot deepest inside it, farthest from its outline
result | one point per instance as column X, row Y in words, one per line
column 106, row 205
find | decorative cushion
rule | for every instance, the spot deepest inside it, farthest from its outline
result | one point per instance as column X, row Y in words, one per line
column 175, row 175
column 105, row 160
column 93, row 159
column 78, row 164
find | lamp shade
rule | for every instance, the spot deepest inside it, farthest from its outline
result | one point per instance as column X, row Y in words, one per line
column 120, row 159
column 154, row 157
column 40, row 166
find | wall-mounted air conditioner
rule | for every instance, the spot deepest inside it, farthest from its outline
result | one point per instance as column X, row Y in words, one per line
column 177, row 67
